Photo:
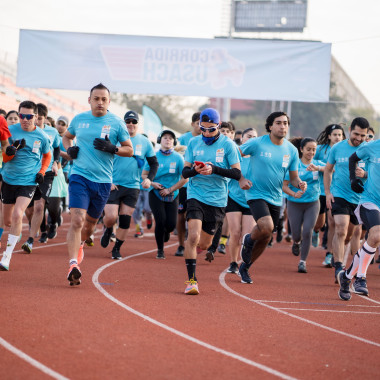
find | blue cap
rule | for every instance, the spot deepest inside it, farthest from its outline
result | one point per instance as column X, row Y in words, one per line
column 210, row 115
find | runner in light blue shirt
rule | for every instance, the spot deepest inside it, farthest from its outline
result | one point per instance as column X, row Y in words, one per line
column 97, row 132
column 271, row 157
column 340, row 198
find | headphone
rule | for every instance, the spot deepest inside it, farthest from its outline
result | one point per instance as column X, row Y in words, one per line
column 166, row 131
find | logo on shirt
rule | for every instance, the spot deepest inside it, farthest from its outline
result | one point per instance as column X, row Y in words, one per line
column 342, row 159
column 285, row 160
column 172, row 167
column 83, row 125
column 199, row 153
column 266, row 154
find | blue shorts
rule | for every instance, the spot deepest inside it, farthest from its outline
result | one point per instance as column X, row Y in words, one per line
column 88, row 195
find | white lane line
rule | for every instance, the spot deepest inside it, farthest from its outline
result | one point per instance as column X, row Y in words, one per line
column 330, row 311
column 31, row 361
column 224, row 284
column 95, row 280
column 320, row 303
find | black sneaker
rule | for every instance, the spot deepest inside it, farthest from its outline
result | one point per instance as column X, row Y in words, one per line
column 105, row 240
column 344, row 283
column 160, row 254
column 243, row 271
column 246, row 249
column 116, row 254
column 360, row 286
column 222, row 249
column 270, row 244
column 44, row 238
column 234, row 268
column 180, row 251
column 296, row 249
column 209, row 255
column 52, row 231
column 28, row 245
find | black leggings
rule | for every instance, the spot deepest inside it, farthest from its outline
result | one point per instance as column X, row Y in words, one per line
column 165, row 217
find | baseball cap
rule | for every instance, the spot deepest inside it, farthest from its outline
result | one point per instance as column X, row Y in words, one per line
column 131, row 115
column 210, row 115
column 64, row 119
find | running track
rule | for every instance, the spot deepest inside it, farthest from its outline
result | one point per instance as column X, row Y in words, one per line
column 129, row 319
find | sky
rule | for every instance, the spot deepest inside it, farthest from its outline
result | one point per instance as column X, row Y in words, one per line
column 350, row 25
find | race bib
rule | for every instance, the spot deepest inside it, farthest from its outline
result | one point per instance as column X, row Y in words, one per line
column 36, row 146
column 106, row 130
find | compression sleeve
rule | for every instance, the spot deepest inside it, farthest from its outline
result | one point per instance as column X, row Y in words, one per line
column 188, row 172
column 233, row 173
column 6, row 158
column 153, row 167
column 46, row 158
column 352, row 165
column 56, row 154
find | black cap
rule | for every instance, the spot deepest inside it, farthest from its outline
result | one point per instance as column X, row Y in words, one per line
column 131, row 115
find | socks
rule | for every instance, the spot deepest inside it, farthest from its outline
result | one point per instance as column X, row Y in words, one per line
column 366, row 254
column 12, row 240
column 118, row 243
column 352, row 270
column 73, row 261
column 191, row 265
column 223, row 240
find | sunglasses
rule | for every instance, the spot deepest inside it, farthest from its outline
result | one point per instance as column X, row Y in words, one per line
column 129, row 121
column 370, row 136
column 203, row 129
column 26, row 116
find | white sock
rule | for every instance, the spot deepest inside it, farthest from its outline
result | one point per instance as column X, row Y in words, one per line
column 366, row 254
column 352, row 270
column 73, row 261
column 12, row 241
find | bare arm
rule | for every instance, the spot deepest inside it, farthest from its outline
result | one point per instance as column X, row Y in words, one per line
column 295, row 180
column 287, row 190
column 126, row 149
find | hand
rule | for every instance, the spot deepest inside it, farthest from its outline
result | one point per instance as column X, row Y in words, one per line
column 298, row 194
column 205, row 170
column 114, row 187
column 302, row 186
column 359, row 172
column 146, row 183
column 54, row 168
column 357, row 185
column 312, row 168
column 157, row 186
column 165, row 192
column 12, row 149
column 40, row 178
column 73, row 152
column 329, row 200
column 245, row 184
column 105, row 145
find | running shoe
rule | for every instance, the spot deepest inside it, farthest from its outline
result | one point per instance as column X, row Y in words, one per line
column 44, row 238
column 139, row 231
column 234, row 268
column 296, row 248
column 192, row 287
column 246, row 249
column 5, row 261
column 105, row 239
column 113, row 237
column 52, row 231
column 222, row 249
column 116, row 254
column 315, row 239
column 338, row 268
column 80, row 256
column 160, row 254
column 149, row 223
column 27, row 247
column 209, row 255
column 288, row 238
column 302, row 267
column 359, row 286
column 90, row 241
column 270, row 244
column 327, row 262
column 344, row 290
column 243, row 271
column 180, row 251
column 74, row 275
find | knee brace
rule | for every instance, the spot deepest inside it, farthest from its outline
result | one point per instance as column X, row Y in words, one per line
column 124, row 221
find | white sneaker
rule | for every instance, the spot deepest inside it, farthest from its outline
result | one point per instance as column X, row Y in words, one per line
column 4, row 263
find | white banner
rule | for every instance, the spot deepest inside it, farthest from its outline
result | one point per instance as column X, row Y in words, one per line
column 228, row 68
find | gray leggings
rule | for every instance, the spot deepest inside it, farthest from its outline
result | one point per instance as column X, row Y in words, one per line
column 302, row 218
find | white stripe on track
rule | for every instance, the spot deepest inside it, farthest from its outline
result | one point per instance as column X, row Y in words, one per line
column 224, row 284
column 331, row 311
column 95, row 280
column 31, row 361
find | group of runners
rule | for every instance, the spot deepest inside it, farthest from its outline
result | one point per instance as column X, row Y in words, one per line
column 214, row 191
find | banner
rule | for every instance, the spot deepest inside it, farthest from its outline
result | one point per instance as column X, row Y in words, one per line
column 152, row 123
column 229, row 68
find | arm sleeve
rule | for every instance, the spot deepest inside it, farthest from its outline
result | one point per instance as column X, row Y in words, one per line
column 233, row 173
column 56, row 154
column 153, row 167
column 352, row 165
column 6, row 158
column 46, row 158
column 188, row 172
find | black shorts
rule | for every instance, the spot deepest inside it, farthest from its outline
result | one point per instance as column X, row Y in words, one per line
column 322, row 202
column 124, row 194
column 370, row 218
column 210, row 216
column 9, row 193
column 182, row 200
column 43, row 190
column 233, row 206
column 260, row 208
column 342, row 207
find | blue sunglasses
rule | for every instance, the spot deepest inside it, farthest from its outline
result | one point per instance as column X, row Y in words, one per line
column 26, row 116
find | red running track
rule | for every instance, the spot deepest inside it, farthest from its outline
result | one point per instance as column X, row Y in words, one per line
column 129, row 319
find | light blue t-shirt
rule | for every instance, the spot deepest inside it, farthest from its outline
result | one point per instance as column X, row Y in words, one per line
column 341, row 184
column 169, row 169
column 211, row 189
column 185, row 138
column 268, row 166
column 312, row 179
column 370, row 153
column 234, row 190
column 54, row 139
column 126, row 170
column 322, row 154
column 26, row 163
column 91, row 163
